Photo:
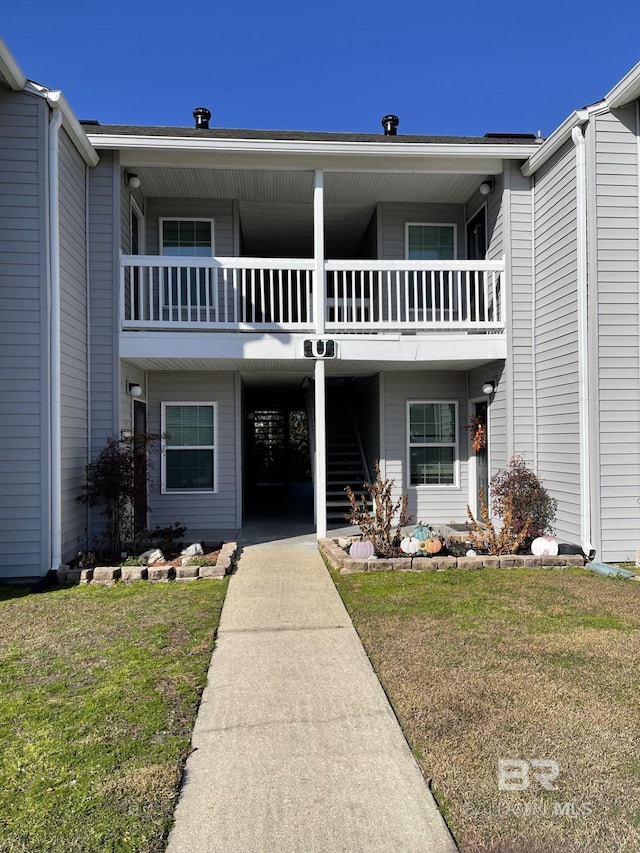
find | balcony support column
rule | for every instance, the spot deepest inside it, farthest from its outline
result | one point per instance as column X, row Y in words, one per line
column 318, row 252
column 320, row 473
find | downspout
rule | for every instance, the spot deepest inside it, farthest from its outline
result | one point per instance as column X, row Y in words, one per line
column 54, row 331
column 88, row 339
column 534, row 353
column 583, row 341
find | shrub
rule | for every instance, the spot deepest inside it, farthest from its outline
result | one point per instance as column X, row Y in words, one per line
column 486, row 538
column 202, row 560
column 377, row 527
column 519, row 491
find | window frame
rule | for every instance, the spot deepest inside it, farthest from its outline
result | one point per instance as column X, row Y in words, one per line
column 166, row 446
column 452, row 225
column 163, row 219
column 455, row 444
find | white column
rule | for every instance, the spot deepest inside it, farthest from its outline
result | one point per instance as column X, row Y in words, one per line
column 321, row 452
column 318, row 251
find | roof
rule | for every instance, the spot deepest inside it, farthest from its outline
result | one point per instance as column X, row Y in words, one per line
column 96, row 129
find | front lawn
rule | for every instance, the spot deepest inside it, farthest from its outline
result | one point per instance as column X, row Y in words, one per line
column 99, row 689
column 514, row 665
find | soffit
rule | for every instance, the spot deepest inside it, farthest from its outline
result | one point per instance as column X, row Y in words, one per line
column 296, row 187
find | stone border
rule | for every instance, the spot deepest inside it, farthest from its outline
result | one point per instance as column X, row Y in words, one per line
column 338, row 558
column 108, row 575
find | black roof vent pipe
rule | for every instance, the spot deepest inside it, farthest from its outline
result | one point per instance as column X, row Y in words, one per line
column 202, row 116
column 390, row 124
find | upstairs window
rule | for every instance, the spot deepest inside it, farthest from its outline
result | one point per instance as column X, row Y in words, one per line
column 432, row 443
column 189, row 458
column 187, row 237
column 430, row 242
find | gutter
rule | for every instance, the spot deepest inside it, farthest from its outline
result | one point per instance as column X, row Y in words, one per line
column 54, row 331
column 577, row 136
column 554, row 142
column 10, row 69
column 70, row 122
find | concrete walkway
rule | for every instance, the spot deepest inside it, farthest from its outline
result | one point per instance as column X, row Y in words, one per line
column 296, row 749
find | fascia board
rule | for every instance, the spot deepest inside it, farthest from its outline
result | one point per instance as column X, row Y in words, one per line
column 627, row 90
column 554, row 142
column 10, row 69
column 126, row 142
column 72, row 126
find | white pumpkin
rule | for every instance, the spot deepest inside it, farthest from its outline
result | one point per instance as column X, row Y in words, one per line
column 544, row 546
column 409, row 545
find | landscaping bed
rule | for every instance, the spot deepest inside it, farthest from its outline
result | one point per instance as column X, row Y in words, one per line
column 212, row 560
column 337, row 556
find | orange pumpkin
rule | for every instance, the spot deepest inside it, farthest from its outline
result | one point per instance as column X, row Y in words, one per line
column 433, row 546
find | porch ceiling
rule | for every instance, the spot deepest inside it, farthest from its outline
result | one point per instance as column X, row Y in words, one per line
column 276, row 207
column 265, row 371
column 296, row 187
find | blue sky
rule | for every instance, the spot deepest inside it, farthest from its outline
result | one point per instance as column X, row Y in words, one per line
column 461, row 68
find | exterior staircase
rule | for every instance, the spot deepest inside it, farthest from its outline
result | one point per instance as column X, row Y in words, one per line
column 345, row 459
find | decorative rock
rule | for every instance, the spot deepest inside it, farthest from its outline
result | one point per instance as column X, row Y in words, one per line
column 187, row 573
column 160, row 573
column 510, row 561
column 153, row 555
column 134, row 573
column 471, row 562
column 106, row 574
column 216, row 571
column 194, row 550
column 86, row 575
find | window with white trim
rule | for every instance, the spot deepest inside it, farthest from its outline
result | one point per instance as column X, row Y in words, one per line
column 187, row 237
column 427, row 242
column 432, row 442
column 189, row 447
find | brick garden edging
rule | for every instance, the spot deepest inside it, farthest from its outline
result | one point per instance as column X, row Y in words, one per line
column 107, row 575
column 338, row 558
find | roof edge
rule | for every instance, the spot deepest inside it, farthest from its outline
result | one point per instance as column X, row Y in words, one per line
column 625, row 91
column 554, row 142
column 10, row 69
column 57, row 100
column 176, row 143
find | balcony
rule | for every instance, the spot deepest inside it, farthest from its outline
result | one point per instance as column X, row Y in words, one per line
column 282, row 295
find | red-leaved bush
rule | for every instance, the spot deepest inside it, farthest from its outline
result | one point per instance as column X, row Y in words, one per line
column 528, row 500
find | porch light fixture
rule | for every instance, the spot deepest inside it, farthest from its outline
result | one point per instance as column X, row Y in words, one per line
column 132, row 180
column 488, row 388
column 487, row 186
column 134, row 389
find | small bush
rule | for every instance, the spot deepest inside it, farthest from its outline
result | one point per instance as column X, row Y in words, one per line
column 519, row 490
column 386, row 514
column 134, row 561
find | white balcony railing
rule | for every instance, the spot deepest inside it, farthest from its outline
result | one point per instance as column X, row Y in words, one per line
column 278, row 294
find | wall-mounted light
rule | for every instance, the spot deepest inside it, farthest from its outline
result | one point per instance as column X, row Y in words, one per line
column 132, row 180
column 487, row 186
column 134, row 389
column 488, row 388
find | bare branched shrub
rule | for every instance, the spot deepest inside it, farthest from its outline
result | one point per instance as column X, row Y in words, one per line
column 377, row 527
column 507, row 541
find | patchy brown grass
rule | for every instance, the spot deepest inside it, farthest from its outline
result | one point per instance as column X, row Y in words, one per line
column 508, row 664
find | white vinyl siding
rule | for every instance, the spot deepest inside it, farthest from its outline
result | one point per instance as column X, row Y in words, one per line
column 189, row 447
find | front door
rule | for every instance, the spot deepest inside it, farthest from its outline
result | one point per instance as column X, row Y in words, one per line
column 481, row 456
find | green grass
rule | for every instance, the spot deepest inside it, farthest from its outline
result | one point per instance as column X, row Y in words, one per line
column 513, row 664
column 99, row 688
